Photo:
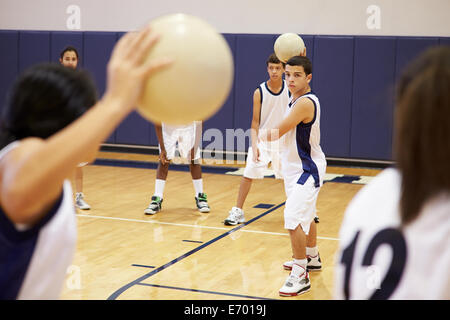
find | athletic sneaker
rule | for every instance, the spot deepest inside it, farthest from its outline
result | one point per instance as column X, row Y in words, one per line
column 236, row 216
column 295, row 285
column 314, row 263
column 154, row 206
column 202, row 203
column 80, row 203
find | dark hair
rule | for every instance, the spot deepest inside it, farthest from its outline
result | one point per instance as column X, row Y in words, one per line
column 301, row 61
column 422, row 131
column 69, row 48
column 273, row 59
column 45, row 99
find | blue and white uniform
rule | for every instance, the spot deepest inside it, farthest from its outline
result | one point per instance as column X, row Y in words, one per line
column 303, row 167
column 273, row 107
column 34, row 259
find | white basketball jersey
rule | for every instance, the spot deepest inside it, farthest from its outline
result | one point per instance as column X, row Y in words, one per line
column 377, row 260
column 273, row 105
column 34, row 260
column 273, row 108
column 302, row 153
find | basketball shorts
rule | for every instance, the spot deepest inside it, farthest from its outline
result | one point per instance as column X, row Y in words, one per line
column 182, row 139
column 300, row 207
column 257, row 170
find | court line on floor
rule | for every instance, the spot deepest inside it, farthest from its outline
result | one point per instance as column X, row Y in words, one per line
column 204, row 291
column 218, row 169
column 139, row 280
column 193, row 226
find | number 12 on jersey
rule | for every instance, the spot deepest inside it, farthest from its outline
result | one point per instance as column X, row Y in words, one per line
column 395, row 240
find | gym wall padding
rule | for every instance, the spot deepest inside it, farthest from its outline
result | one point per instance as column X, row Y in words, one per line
column 353, row 76
column 332, row 81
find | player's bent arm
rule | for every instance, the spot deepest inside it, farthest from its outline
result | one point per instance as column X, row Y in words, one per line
column 256, row 118
column 303, row 111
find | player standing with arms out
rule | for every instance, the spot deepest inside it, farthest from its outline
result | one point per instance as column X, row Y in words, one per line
column 395, row 236
column 269, row 104
column 303, row 167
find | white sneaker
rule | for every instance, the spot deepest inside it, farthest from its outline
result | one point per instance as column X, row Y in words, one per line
column 236, row 216
column 314, row 264
column 80, row 203
column 295, row 285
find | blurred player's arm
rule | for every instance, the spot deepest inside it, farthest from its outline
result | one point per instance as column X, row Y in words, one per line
column 302, row 111
column 255, row 123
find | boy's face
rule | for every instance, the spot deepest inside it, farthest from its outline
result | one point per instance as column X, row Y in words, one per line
column 69, row 59
column 275, row 70
column 296, row 78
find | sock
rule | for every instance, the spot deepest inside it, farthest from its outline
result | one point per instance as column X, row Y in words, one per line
column 312, row 252
column 159, row 187
column 198, row 186
column 299, row 267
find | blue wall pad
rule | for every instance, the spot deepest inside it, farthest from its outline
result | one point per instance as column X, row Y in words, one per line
column 353, row 76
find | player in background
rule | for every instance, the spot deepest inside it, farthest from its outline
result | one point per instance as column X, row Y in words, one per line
column 69, row 58
column 187, row 138
column 270, row 101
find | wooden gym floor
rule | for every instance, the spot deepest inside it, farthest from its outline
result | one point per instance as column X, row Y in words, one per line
column 183, row 254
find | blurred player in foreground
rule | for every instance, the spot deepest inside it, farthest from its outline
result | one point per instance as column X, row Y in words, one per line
column 40, row 148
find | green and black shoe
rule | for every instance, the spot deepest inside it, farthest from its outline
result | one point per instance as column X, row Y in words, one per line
column 202, row 203
column 154, row 206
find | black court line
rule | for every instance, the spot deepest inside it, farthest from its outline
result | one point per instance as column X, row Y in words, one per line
column 194, row 241
column 205, row 168
column 154, row 165
column 142, row 266
column 139, row 280
column 204, row 291
column 263, row 206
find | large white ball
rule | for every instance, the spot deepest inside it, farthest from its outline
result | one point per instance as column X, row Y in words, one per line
column 196, row 85
column 288, row 45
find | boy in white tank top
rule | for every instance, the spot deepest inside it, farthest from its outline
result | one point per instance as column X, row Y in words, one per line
column 303, row 166
column 269, row 104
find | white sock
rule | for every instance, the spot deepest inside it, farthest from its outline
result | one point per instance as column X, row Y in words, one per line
column 198, row 186
column 312, row 252
column 159, row 187
column 299, row 267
